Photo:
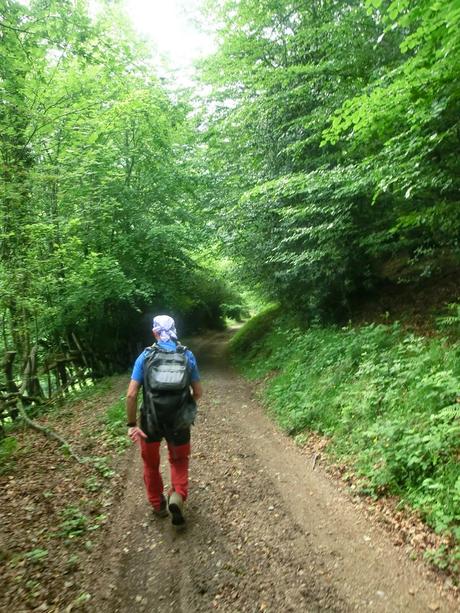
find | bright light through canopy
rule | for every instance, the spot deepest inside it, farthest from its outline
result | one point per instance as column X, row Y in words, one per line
column 168, row 24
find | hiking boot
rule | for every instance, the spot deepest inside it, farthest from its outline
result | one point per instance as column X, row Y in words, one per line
column 176, row 505
column 163, row 510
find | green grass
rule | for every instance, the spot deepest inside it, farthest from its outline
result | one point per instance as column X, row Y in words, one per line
column 247, row 339
column 90, row 390
column 8, row 447
column 388, row 400
column 75, row 523
column 115, row 424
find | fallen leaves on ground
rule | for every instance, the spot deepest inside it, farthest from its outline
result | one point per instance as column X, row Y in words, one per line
column 54, row 510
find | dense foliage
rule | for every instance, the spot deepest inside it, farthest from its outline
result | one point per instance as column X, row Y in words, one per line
column 332, row 144
column 323, row 161
column 97, row 216
column 331, row 139
column 387, row 399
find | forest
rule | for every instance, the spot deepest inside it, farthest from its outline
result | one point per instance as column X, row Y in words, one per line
column 99, row 217
column 311, row 173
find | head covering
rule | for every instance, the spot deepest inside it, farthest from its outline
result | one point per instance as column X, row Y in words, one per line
column 165, row 327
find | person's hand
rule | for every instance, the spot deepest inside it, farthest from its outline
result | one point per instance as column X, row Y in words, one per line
column 136, row 434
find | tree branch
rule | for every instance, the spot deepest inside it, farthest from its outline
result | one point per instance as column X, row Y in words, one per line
column 4, row 25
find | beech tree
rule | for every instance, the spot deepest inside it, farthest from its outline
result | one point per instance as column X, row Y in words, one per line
column 333, row 133
column 97, row 214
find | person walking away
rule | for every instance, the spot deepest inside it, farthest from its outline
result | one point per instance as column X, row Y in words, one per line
column 168, row 374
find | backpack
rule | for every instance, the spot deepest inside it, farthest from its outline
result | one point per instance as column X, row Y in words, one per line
column 166, row 371
column 168, row 404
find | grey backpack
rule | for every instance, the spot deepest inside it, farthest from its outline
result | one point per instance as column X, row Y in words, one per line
column 166, row 371
column 168, row 403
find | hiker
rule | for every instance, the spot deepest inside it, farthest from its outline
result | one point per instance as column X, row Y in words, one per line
column 168, row 374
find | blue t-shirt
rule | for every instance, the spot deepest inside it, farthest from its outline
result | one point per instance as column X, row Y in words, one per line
column 138, row 370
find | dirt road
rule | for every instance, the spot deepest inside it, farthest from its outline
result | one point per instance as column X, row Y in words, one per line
column 265, row 532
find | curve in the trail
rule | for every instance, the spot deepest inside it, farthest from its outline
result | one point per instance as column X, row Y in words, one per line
column 265, row 531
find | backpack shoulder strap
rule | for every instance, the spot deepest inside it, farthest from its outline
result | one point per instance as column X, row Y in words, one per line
column 151, row 351
column 181, row 348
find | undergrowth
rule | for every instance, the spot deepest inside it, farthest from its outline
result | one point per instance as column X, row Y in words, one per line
column 115, row 424
column 388, row 399
column 8, row 446
column 251, row 337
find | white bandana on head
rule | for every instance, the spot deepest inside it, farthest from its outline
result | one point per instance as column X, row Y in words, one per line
column 165, row 327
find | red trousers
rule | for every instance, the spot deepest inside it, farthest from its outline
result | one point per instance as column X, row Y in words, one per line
column 178, row 461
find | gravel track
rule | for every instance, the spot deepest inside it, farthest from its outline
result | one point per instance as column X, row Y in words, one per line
column 265, row 531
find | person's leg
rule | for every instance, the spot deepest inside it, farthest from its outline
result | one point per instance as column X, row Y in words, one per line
column 179, row 462
column 179, row 454
column 152, row 478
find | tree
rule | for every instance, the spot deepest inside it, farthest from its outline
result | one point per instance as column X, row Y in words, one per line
column 297, row 206
column 332, row 134
column 98, row 213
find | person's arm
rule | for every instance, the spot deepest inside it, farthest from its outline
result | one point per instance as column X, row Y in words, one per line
column 131, row 401
column 197, row 389
column 134, row 432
